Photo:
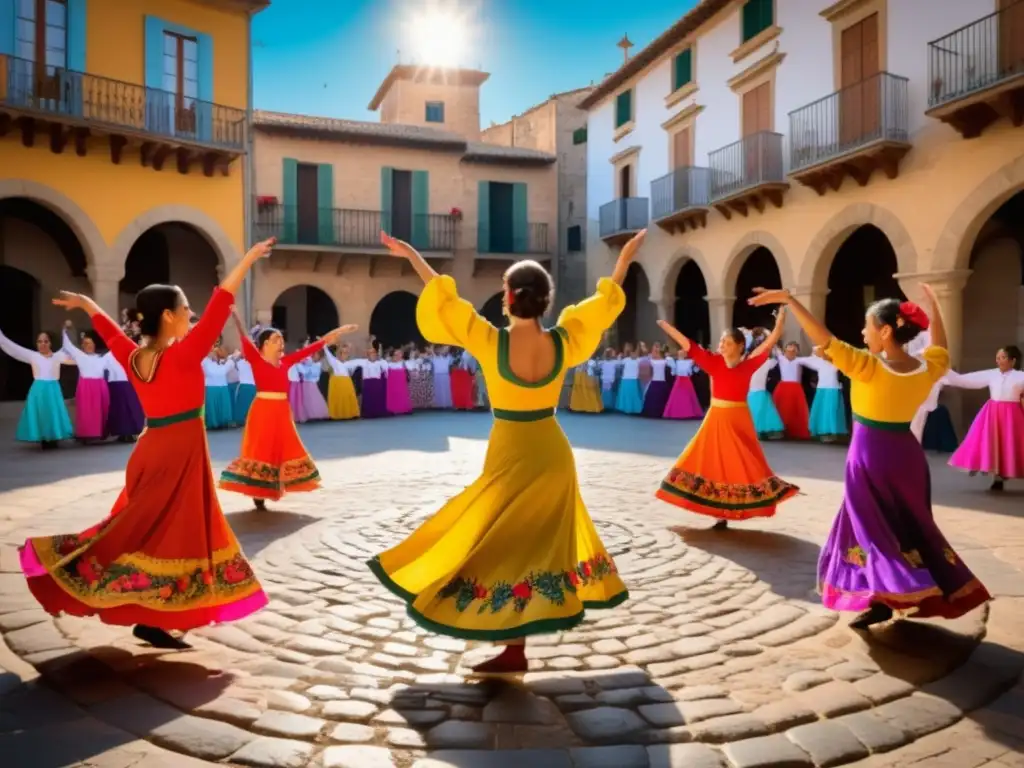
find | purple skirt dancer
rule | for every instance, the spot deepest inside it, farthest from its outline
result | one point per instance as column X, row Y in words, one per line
column 887, row 507
column 656, row 399
column 125, row 418
column 375, row 399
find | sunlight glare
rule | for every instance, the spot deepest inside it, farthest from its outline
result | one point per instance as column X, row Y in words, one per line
column 439, row 38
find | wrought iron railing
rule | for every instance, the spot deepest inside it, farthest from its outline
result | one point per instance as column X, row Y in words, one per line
column 624, row 214
column 340, row 227
column 977, row 56
column 683, row 188
column 749, row 162
column 875, row 109
column 31, row 87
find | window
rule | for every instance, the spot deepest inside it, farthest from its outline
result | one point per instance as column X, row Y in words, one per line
column 574, row 238
column 41, row 32
column 623, row 108
column 682, row 69
column 435, row 111
column 579, row 136
column 181, row 78
column 757, row 17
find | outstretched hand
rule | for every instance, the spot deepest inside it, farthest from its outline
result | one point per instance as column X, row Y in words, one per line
column 626, row 256
column 71, row 301
column 397, row 247
column 261, row 250
column 332, row 336
column 765, row 296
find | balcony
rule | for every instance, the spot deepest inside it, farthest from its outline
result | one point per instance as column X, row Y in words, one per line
column 69, row 107
column 344, row 230
column 621, row 219
column 976, row 73
column 681, row 199
column 748, row 174
column 502, row 245
column 850, row 133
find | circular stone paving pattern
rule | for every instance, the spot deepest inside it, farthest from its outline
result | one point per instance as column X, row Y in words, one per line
column 704, row 666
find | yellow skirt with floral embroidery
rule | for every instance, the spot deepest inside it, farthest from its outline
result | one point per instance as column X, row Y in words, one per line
column 516, row 553
column 723, row 472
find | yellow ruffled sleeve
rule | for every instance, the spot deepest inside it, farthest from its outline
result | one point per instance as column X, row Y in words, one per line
column 445, row 318
column 937, row 360
column 858, row 364
column 582, row 325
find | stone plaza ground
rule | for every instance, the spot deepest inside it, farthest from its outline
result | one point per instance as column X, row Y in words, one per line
column 722, row 657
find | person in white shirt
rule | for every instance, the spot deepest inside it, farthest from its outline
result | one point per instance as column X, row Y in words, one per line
column 441, row 363
column 932, row 424
column 828, row 411
column 994, row 445
column 658, row 388
column 767, row 422
column 683, row 402
column 245, row 392
column 585, row 396
column 44, row 419
column 92, row 396
column 313, row 400
column 629, row 398
column 609, row 368
column 375, row 373
column 125, row 420
column 342, row 403
column 789, row 397
column 397, row 397
column 295, row 392
column 219, row 408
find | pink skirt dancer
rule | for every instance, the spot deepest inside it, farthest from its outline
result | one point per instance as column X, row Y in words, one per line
column 683, row 402
column 314, row 407
column 92, row 407
column 296, row 395
column 995, row 442
column 397, row 397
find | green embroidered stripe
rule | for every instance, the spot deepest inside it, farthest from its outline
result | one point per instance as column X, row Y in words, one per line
column 767, row 501
column 175, row 418
column 887, row 426
column 538, row 415
column 505, row 370
column 539, row 627
column 272, row 485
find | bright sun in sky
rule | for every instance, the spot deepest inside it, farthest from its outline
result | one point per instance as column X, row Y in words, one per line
column 439, row 37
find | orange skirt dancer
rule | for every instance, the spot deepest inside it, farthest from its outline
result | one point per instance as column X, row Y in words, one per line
column 273, row 461
column 723, row 472
column 165, row 557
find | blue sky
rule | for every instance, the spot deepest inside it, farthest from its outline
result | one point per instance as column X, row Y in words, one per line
column 327, row 57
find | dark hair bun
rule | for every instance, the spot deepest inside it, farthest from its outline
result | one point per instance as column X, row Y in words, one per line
column 888, row 312
column 531, row 290
column 151, row 303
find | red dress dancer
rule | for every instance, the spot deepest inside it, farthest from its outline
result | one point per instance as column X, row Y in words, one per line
column 165, row 558
column 462, row 385
column 273, row 460
column 789, row 398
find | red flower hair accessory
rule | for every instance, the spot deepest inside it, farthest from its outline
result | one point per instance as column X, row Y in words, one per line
column 912, row 313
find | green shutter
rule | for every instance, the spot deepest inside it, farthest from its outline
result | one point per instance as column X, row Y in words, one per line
column 290, row 197
column 757, row 17
column 386, row 176
column 325, row 203
column 683, row 70
column 483, row 219
column 520, row 219
column 421, row 209
column 623, row 108
column 579, row 136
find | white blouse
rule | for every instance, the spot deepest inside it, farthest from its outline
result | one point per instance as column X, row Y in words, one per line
column 310, row 370
column 828, row 375
column 630, row 368
column 759, row 381
column 790, row 369
column 295, row 373
column 608, row 370
column 413, row 365
column 683, row 367
column 372, row 369
column 244, row 369
column 43, row 368
column 658, row 369
column 216, row 372
column 1005, row 387
column 399, row 366
column 89, row 366
column 115, row 371
column 919, row 344
column 442, row 363
column 338, row 367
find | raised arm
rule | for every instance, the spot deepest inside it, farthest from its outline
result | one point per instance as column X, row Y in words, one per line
column 405, row 251
column 696, row 352
column 816, row 332
column 774, row 336
column 68, row 347
column 16, row 351
column 937, row 326
column 120, row 346
column 975, row 380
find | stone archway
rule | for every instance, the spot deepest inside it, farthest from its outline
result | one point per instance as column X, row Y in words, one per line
column 393, row 320
column 760, row 268
column 742, row 251
column 638, row 321
column 227, row 252
column 674, row 265
column 953, row 248
column 685, row 289
column 97, row 253
column 817, row 263
column 304, row 311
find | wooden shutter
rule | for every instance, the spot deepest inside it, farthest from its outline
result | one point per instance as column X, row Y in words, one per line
column 421, row 209
column 520, row 219
column 681, row 155
column 483, row 217
column 1011, row 37
column 386, row 185
column 623, row 108
column 750, row 111
column 204, row 107
column 683, row 71
column 290, row 199
column 872, row 84
column 325, row 204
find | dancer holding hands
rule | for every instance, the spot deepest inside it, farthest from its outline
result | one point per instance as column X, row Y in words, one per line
column 885, row 553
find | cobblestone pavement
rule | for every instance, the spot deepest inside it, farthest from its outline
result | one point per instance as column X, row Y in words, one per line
column 722, row 656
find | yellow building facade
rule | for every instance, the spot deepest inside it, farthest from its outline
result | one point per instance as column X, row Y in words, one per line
column 123, row 150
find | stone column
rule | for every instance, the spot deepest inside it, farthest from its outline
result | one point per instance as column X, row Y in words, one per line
column 105, row 283
column 720, row 314
column 814, row 300
column 666, row 308
column 949, row 290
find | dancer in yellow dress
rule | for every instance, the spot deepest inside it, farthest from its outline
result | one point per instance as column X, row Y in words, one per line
column 516, row 553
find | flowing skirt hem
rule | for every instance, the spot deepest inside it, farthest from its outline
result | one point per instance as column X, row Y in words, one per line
column 538, row 627
column 720, row 510
column 925, row 604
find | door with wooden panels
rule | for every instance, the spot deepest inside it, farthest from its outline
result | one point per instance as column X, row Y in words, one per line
column 860, row 102
column 757, row 119
column 682, row 158
column 307, row 202
column 1011, row 37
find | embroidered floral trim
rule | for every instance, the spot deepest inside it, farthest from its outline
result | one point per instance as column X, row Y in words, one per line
column 551, row 585
column 857, row 556
column 290, row 473
column 913, row 558
column 728, row 494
